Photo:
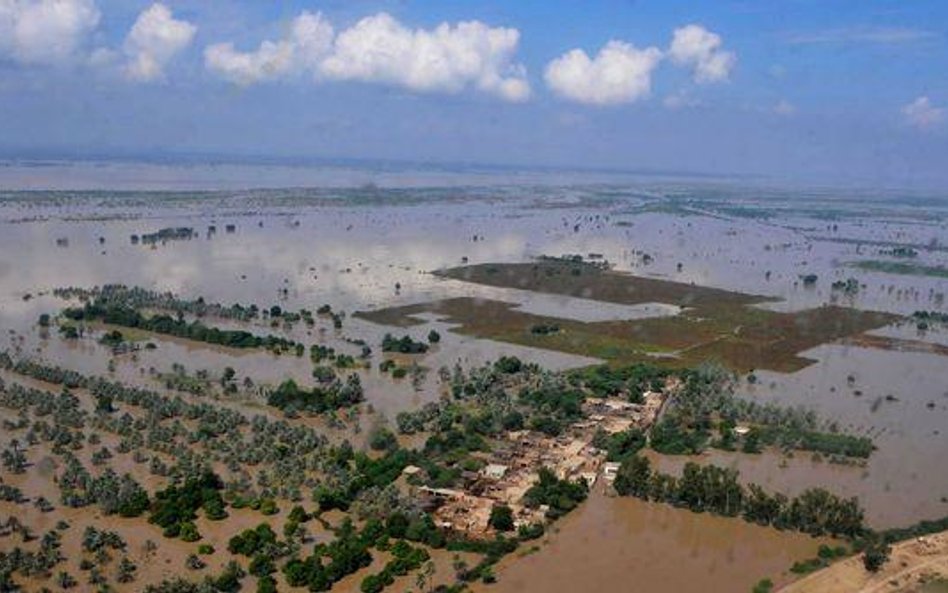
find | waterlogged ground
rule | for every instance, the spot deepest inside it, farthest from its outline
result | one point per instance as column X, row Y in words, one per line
column 371, row 248
column 622, row 544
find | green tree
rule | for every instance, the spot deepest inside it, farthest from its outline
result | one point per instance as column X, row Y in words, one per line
column 501, row 518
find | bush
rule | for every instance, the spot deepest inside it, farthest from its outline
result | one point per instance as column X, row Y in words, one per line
column 382, row 439
column 501, row 518
column 876, row 555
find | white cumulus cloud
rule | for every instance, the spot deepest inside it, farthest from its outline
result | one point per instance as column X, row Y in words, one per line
column 446, row 59
column 154, row 39
column 922, row 114
column 379, row 49
column 619, row 73
column 696, row 47
column 45, row 31
column 307, row 42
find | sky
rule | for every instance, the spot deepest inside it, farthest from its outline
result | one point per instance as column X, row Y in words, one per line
column 824, row 91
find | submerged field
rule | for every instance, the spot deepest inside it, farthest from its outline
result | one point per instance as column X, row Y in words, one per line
column 714, row 324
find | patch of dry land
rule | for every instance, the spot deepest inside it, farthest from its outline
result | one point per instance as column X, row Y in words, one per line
column 715, row 324
column 919, row 565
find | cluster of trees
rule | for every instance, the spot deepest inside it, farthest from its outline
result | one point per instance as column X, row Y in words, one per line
column 251, row 541
column 114, row 495
column 285, row 454
column 561, row 496
column 827, row 443
column 705, row 402
column 228, row 581
column 49, row 374
column 717, row 490
column 29, row 563
column 850, row 286
column 175, row 508
column 405, row 558
column 553, row 406
column 621, row 445
column 166, row 234
column 574, row 261
column 501, row 518
column 544, row 329
column 346, row 554
column 403, row 345
column 290, row 397
column 165, row 324
column 142, row 298
column 924, row 319
column 628, row 382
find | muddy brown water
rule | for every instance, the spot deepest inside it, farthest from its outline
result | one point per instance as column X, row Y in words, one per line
column 624, row 544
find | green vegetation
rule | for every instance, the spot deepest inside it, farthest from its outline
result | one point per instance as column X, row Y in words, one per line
column 291, row 398
column 405, row 558
column 165, row 324
column 165, row 234
column 901, row 268
column 713, row 325
column 403, row 345
column 561, row 496
column 716, row 490
column 876, row 554
column 824, row 557
column 925, row 319
column 900, row 251
column 544, row 329
column 921, row 528
column 501, row 518
column 850, row 286
column 250, row 541
column 705, row 401
column 628, row 382
column 620, row 446
column 176, row 507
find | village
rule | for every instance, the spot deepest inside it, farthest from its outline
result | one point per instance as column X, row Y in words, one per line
column 513, row 465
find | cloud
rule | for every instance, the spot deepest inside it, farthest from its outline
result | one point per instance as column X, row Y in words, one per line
column 154, row 39
column 620, row 73
column 860, row 34
column 446, row 59
column 307, row 42
column 785, row 108
column 47, row 32
column 921, row 114
column 379, row 49
column 696, row 47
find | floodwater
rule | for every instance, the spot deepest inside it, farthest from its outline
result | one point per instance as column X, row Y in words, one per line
column 365, row 249
column 625, row 544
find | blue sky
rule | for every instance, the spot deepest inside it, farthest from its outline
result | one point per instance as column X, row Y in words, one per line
column 852, row 92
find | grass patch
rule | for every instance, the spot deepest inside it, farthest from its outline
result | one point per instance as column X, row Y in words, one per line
column 901, row 268
column 715, row 324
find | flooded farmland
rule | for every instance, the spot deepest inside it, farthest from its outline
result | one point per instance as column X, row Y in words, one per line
column 366, row 253
column 620, row 543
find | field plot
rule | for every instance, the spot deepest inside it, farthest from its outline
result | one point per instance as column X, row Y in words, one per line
column 715, row 324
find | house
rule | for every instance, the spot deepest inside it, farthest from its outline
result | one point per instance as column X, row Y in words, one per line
column 609, row 470
column 494, row 471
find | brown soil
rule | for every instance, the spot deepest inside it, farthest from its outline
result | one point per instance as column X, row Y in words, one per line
column 915, row 566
